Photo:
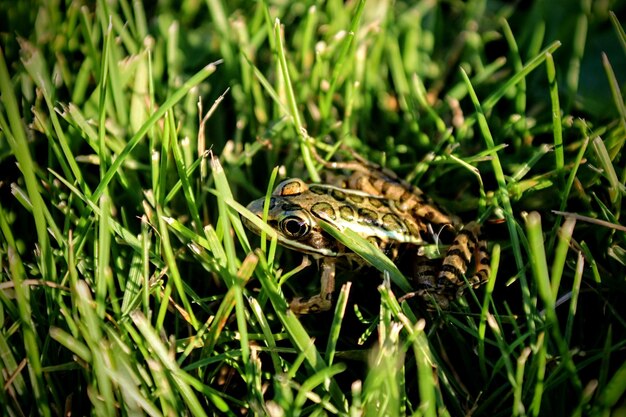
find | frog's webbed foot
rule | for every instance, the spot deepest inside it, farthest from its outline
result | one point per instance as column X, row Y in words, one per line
column 323, row 300
column 308, row 305
column 434, row 299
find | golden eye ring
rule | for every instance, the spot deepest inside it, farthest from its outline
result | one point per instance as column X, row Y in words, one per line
column 294, row 227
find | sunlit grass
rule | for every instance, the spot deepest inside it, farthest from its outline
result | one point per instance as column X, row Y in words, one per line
column 129, row 284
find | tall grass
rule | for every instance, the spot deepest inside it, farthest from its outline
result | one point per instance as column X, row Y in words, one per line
column 133, row 135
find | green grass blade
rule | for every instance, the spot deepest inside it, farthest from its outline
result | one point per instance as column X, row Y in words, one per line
column 36, row 66
column 560, row 255
column 297, row 334
column 503, row 195
column 181, row 379
column 535, row 408
column 341, row 60
column 621, row 35
column 493, row 99
column 518, row 405
column 520, row 96
column 618, row 99
column 616, row 188
column 158, row 114
column 557, row 128
column 572, row 77
column 104, row 275
column 369, row 252
column 484, row 312
column 569, row 326
column 30, row 340
column 540, row 271
column 335, row 327
column 19, row 146
column 291, row 102
column 614, row 389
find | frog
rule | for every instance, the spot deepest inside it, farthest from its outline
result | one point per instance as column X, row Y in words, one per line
column 394, row 215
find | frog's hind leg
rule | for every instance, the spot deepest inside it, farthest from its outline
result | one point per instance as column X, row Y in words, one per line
column 482, row 262
column 424, row 278
column 466, row 246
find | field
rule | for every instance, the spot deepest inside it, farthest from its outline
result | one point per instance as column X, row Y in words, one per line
column 132, row 137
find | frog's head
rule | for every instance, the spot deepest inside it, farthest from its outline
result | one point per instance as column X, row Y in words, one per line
column 289, row 215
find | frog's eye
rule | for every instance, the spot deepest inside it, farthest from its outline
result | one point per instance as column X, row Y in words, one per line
column 294, row 227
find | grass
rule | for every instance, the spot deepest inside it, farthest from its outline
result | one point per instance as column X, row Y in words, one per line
column 132, row 136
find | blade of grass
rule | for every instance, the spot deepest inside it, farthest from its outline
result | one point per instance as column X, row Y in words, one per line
column 179, row 377
column 560, row 255
column 369, row 252
column 268, row 338
column 228, row 216
column 89, row 324
column 103, row 248
column 173, row 271
column 585, row 398
column 503, row 197
column 36, row 66
column 158, row 114
column 297, row 333
column 291, row 102
column 557, row 128
column 535, row 407
column 539, row 267
column 22, row 196
column 520, row 96
column 335, row 327
column 305, row 391
column 425, row 372
column 243, row 275
column 578, row 276
column 505, row 353
column 182, row 174
column 338, row 65
column 568, row 187
column 621, row 35
column 219, row 17
column 29, row 335
column 266, row 209
column 104, row 86
column 518, row 405
column 493, row 99
column 19, row 146
column 618, row 100
column 616, row 189
column 383, row 385
column 484, row 312
column 127, row 236
column 572, row 77
column 614, row 389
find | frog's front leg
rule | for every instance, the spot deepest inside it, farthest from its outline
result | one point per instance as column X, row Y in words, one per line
column 323, row 300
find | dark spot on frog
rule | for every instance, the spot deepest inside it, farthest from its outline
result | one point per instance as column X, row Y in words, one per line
column 392, row 223
column 338, row 195
column 324, row 211
column 368, row 216
column 346, row 213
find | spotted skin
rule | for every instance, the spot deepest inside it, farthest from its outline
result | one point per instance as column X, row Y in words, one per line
column 393, row 215
column 449, row 280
